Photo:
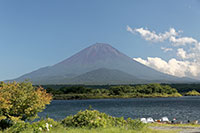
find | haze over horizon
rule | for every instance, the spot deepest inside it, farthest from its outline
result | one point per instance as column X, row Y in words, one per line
column 163, row 35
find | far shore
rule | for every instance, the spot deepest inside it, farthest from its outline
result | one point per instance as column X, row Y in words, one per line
column 87, row 97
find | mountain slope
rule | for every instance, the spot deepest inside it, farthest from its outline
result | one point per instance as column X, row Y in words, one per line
column 105, row 76
column 92, row 58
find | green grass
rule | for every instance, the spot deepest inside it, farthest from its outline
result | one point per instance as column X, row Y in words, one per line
column 110, row 130
column 103, row 130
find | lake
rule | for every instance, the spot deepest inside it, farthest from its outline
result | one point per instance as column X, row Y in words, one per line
column 181, row 108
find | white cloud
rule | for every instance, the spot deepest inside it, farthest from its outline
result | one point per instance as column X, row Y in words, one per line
column 172, row 67
column 172, row 36
column 187, row 51
column 181, row 53
column 141, row 61
column 151, row 35
column 182, row 41
column 194, row 52
column 166, row 49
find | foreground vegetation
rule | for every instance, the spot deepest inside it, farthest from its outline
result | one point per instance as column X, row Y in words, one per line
column 125, row 91
column 116, row 130
column 97, row 130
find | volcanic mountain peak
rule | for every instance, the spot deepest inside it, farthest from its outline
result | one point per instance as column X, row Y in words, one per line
column 102, row 48
column 87, row 61
column 96, row 52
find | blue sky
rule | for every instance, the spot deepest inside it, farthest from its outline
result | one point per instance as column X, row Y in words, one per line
column 38, row 33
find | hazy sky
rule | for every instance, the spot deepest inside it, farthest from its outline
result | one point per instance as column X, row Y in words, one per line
column 164, row 35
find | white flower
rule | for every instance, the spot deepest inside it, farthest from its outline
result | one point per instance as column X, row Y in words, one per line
column 40, row 128
column 50, row 125
column 47, row 126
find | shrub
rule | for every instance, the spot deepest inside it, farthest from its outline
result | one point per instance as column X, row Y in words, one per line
column 39, row 126
column 87, row 118
column 45, row 125
column 135, row 124
column 96, row 119
column 19, row 127
column 5, row 123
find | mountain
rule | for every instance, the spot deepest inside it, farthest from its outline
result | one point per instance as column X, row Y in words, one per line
column 99, row 63
column 105, row 76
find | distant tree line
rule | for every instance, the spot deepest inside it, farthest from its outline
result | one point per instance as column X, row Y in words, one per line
column 181, row 88
column 116, row 90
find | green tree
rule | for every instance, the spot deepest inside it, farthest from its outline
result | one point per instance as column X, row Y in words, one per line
column 21, row 101
column 75, row 89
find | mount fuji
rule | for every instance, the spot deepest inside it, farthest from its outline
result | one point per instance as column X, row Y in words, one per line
column 99, row 64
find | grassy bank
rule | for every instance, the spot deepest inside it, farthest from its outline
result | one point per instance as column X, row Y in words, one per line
column 101, row 130
column 112, row 130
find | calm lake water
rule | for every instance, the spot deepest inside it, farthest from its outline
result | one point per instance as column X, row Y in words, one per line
column 183, row 108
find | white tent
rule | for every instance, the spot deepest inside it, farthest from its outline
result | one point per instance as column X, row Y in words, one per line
column 144, row 120
column 164, row 119
column 150, row 120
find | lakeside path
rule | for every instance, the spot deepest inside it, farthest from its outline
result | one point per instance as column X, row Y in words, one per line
column 180, row 129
